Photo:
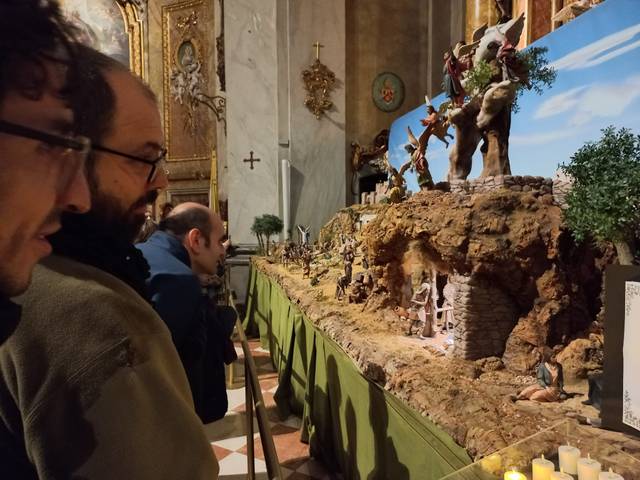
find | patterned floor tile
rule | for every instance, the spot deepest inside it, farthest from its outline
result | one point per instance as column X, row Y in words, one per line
column 228, row 435
column 236, row 464
column 294, row 463
column 293, row 422
column 313, row 468
column 220, row 452
column 299, row 476
column 236, row 397
column 234, row 443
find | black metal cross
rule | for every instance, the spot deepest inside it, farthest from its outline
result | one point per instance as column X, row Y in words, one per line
column 251, row 159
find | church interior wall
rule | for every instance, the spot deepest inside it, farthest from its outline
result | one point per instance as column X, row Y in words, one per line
column 251, row 80
column 317, row 153
column 381, row 37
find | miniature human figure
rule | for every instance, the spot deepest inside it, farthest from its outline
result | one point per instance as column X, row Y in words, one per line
column 432, row 117
column 341, row 287
column 348, row 256
column 550, row 380
column 421, row 303
column 304, row 234
column 452, row 71
column 506, row 58
column 419, row 161
column 365, row 258
column 306, row 262
column 358, row 291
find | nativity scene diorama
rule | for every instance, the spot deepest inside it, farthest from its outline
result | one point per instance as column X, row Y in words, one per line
column 486, row 293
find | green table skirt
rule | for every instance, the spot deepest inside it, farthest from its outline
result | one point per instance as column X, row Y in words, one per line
column 350, row 422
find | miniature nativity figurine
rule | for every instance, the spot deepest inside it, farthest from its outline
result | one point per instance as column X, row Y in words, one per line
column 483, row 89
column 421, row 304
column 417, row 149
column 451, row 83
column 550, row 380
column 396, row 184
column 306, row 258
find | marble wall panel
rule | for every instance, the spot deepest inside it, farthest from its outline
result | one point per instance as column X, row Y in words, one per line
column 317, row 147
column 251, row 74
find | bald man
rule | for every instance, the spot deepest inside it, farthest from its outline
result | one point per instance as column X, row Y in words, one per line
column 188, row 245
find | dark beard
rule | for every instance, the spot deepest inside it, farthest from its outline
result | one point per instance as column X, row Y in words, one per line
column 110, row 217
column 104, row 237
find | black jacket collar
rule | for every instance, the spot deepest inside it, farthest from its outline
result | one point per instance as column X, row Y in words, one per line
column 9, row 318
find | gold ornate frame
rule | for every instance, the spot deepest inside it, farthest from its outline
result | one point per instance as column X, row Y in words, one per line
column 167, row 58
column 132, row 11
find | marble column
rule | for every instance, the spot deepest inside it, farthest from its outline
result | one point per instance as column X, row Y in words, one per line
column 251, row 80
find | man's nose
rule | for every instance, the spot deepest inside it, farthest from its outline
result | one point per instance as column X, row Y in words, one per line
column 75, row 195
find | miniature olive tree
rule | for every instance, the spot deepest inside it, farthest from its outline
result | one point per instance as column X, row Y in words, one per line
column 604, row 202
column 264, row 227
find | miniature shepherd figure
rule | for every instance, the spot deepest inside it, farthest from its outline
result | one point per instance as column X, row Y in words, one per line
column 421, row 302
column 550, row 380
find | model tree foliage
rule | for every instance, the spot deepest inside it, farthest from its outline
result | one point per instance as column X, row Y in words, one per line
column 539, row 74
column 532, row 65
column 264, row 227
column 604, row 202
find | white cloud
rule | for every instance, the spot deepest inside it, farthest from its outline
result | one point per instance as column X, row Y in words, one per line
column 541, row 138
column 591, row 101
column 559, row 103
column 600, row 51
column 605, row 100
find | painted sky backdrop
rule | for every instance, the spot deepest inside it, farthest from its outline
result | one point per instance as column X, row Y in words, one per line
column 597, row 57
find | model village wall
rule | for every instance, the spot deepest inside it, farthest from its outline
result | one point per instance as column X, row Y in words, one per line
column 484, row 316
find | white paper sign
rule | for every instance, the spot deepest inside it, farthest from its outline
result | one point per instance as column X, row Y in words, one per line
column 631, row 354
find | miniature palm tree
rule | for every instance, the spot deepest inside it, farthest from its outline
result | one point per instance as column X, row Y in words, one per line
column 264, row 227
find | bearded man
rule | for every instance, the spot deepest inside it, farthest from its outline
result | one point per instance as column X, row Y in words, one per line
column 93, row 385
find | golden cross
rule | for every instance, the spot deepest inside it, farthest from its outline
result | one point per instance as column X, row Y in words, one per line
column 318, row 47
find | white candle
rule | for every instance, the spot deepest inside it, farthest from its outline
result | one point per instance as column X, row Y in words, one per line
column 492, row 463
column 588, row 468
column 610, row 476
column 568, row 459
column 560, row 476
column 514, row 475
column 542, row 468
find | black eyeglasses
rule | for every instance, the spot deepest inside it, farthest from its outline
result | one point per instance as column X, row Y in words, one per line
column 76, row 144
column 154, row 163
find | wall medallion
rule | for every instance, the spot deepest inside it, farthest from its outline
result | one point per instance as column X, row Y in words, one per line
column 387, row 91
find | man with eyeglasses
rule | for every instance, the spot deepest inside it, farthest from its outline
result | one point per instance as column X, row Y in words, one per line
column 41, row 165
column 97, row 390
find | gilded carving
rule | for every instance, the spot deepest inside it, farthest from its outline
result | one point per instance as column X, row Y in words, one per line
column 319, row 81
column 186, row 69
column 133, row 12
column 220, row 70
column 187, row 76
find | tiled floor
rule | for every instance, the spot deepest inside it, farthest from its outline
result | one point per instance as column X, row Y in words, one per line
column 228, row 436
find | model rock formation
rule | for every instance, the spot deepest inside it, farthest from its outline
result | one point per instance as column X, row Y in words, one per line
column 520, row 282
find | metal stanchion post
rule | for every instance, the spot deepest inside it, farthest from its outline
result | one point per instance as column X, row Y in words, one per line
column 251, row 468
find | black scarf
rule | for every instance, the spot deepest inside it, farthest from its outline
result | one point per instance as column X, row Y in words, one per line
column 84, row 238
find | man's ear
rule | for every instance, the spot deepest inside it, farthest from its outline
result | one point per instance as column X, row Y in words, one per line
column 193, row 239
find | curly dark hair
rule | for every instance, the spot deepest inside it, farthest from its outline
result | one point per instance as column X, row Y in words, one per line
column 31, row 31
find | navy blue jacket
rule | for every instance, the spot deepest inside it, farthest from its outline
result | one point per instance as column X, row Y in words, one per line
column 198, row 334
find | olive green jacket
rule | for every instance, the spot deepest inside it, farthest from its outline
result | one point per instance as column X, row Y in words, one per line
column 91, row 385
